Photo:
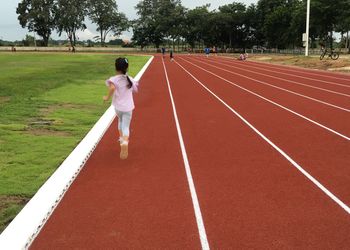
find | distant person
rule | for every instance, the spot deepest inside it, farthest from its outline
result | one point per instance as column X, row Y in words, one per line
column 207, row 52
column 171, row 55
column 243, row 57
column 121, row 87
column 215, row 49
column 163, row 51
column 13, row 48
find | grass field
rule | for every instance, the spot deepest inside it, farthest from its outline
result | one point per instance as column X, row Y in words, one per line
column 48, row 102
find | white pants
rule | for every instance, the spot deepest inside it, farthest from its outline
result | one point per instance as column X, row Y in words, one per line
column 124, row 120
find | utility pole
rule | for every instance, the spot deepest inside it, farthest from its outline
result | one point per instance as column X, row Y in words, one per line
column 307, row 28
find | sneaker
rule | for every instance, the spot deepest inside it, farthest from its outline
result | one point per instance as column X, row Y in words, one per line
column 124, row 150
column 120, row 140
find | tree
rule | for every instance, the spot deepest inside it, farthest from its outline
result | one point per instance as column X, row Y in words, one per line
column 276, row 27
column 251, row 24
column 216, row 34
column 235, row 18
column 29, row 40
column 141, row 34
column 196, row 25
column 104, row 13
column 38, row 16
column 171, row 19
column 116, row 42
column 279, row 23
column 144, row 27
column 343, row 24
column 326, row 15
column 158, row 20
column 263, row 9
column 297, row 23
column 70, row 18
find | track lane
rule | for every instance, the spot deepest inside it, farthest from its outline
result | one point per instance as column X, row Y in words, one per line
column 320, row 76
column 143, row 202
column 334, row 118
column 305, row 86
column 324, row 155
column 343, row 102
column 250, row 196
column 194, row 197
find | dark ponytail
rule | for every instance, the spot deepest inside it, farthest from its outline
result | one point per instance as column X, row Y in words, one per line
column 122, row 65
column 130, row 82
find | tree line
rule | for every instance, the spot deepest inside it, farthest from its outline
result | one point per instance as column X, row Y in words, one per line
column 69, row 16
column 268, row 23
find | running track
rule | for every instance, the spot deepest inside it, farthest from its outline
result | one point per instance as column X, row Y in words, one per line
column 267, row 148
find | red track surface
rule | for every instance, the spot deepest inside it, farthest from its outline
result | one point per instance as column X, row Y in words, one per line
column 250, row 195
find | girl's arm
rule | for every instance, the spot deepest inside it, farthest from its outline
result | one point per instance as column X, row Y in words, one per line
column 111, row 89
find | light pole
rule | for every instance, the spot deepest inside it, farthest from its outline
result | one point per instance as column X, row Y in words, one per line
column 307, row 28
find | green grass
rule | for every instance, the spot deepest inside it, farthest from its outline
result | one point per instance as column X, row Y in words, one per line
column 48, row 102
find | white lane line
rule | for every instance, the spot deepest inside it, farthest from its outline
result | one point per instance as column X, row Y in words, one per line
column 294, row 75
column 273, row 86
column 274, row 103
column 285, row 155
column 275, row 77
column 195, row 202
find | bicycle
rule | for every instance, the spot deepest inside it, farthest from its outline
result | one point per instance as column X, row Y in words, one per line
column 331, row 53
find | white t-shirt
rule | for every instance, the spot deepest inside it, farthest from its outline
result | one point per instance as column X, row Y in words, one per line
column 123, row 96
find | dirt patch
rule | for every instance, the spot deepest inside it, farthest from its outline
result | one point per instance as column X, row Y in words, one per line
column 263, row 58
column 47, row 132
column 7, row 204
column 41, row 125
column 346, row 69
column 7, row 201
column 4, row 99
column 41, row 122
column 52, row 108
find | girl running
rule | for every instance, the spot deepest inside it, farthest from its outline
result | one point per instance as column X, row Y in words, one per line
column 121, row 87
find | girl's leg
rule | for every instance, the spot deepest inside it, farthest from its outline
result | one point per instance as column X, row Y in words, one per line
column 126, row 120
column 125, row 126
column 120, row 117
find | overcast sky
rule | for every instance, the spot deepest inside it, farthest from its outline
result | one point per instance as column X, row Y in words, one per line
column 11, row 30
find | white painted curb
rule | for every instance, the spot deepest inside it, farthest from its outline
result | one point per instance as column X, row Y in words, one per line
column 28, row 223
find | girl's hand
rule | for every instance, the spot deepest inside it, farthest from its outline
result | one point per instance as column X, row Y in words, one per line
column 105, row 98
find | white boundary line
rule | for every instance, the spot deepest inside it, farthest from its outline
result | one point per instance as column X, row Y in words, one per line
column 285, row 155
column 195, row 202
column 273, row 86
column 26, row 226
column 274, row 103
column 275, row 77
column 284, row 67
